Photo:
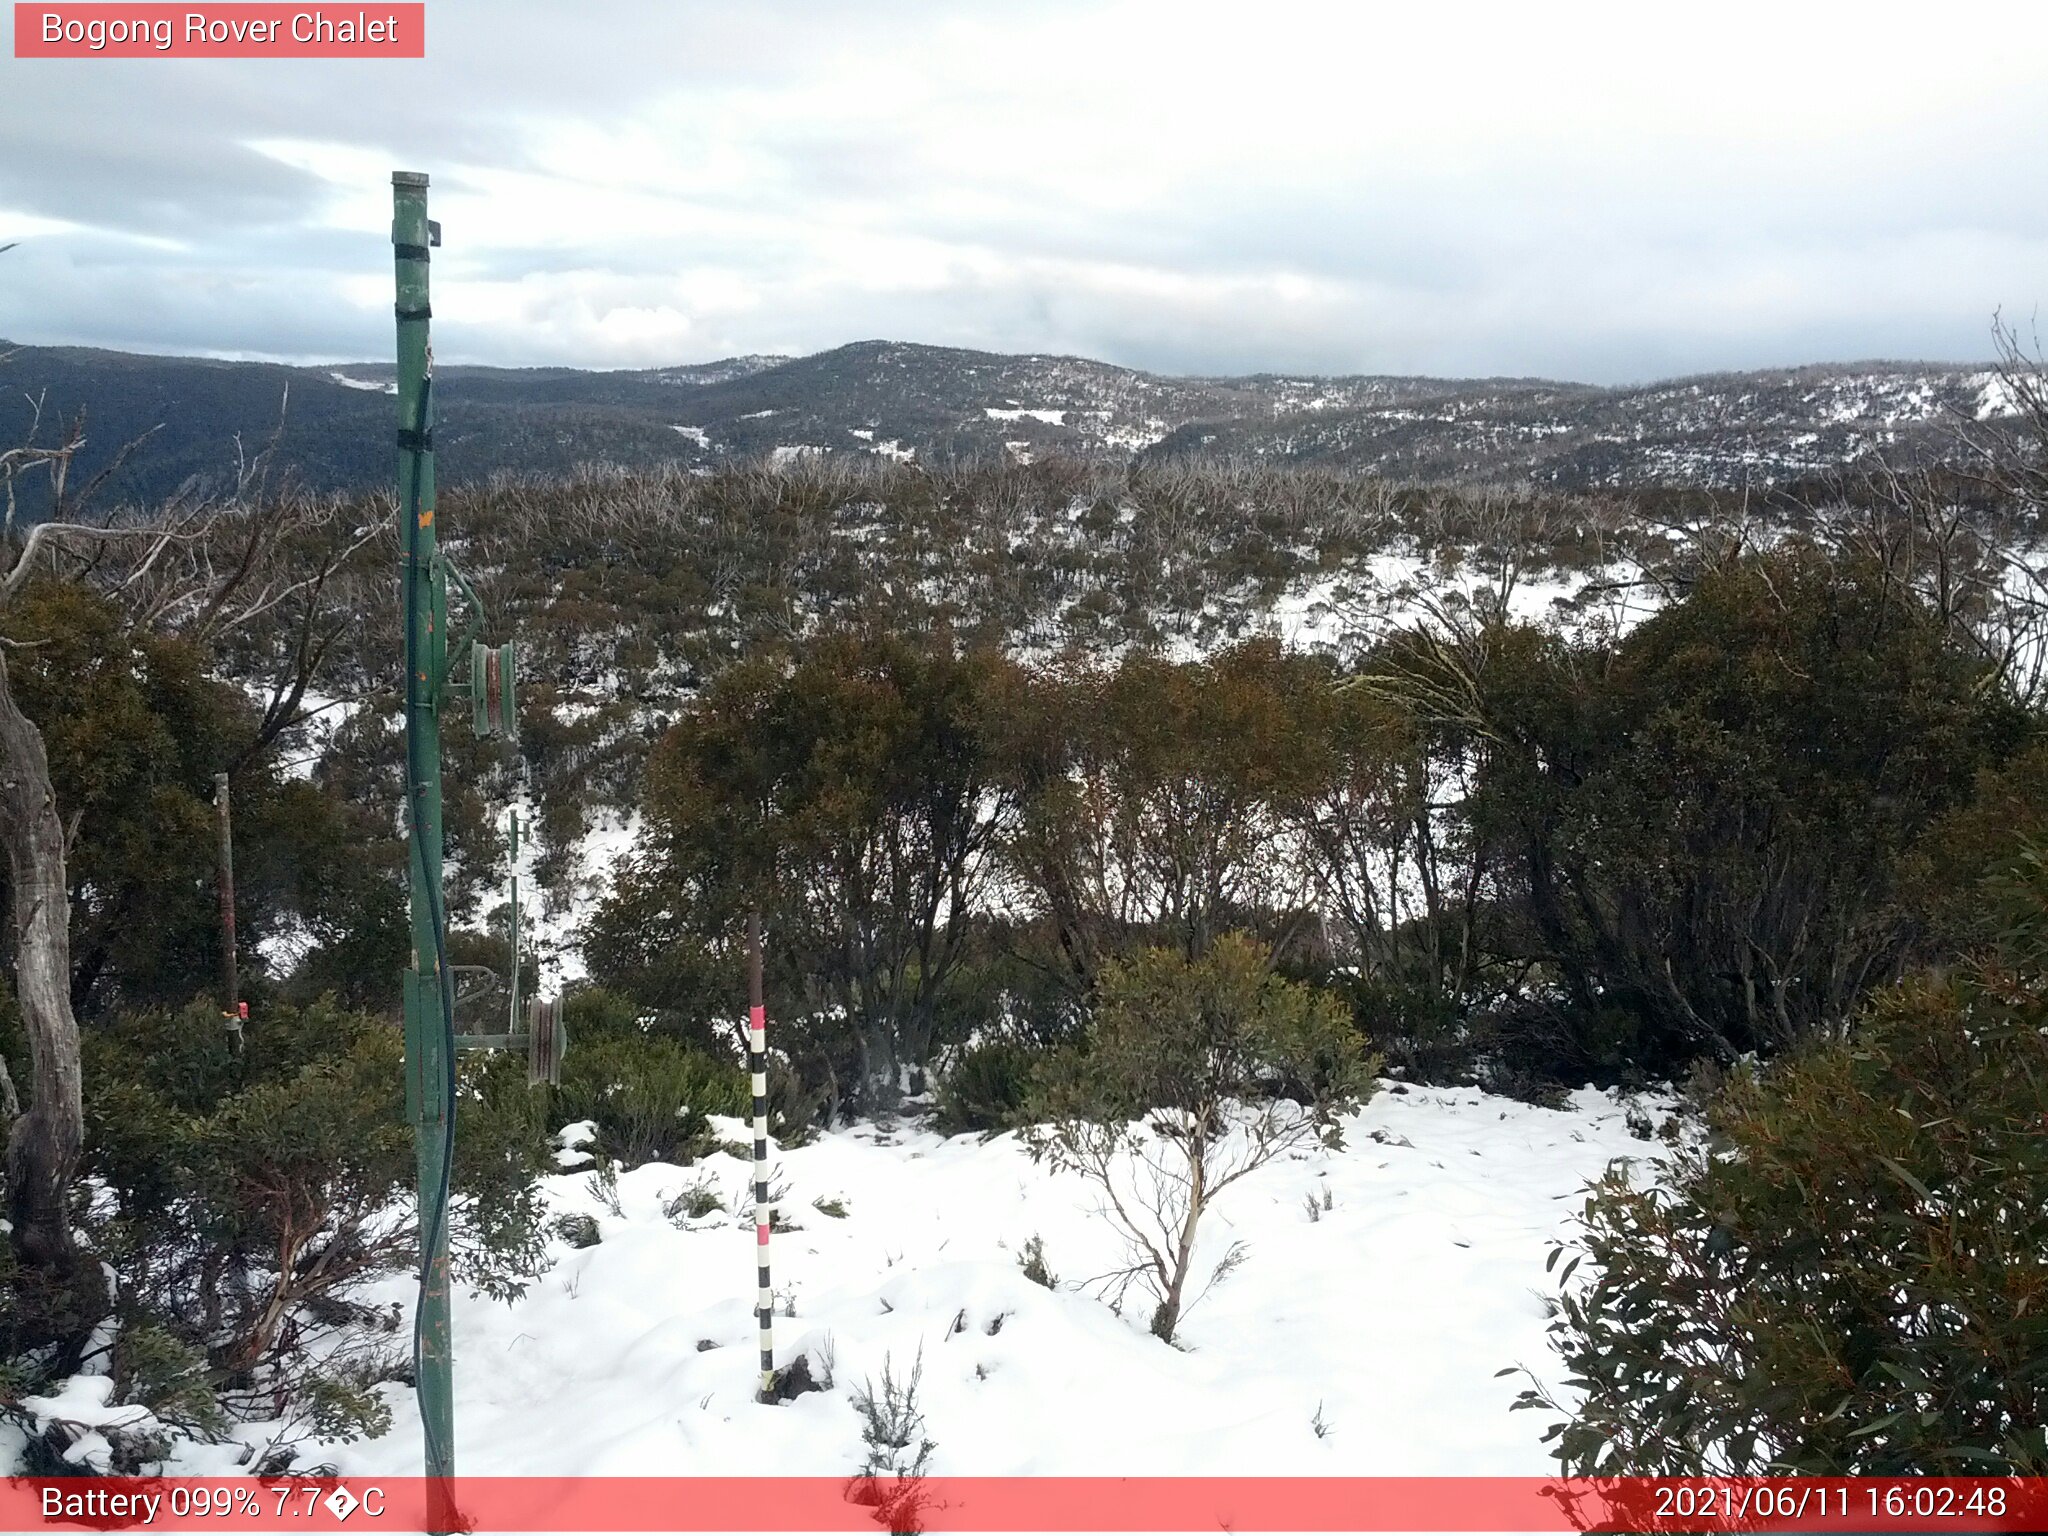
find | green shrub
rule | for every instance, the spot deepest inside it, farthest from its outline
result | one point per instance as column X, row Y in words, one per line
column 1202, row 1055
column 694, row 1202
column 591, row 1013
column 986, row 1087
column 1032, row 1262
column 1418, row 1031
column 499, row 1240
column 167, row 1375
column 1856, row 1280
column 647, row 1095
column 245, row 1199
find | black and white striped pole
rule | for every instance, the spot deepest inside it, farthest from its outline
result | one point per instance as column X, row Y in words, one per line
column 764, row 1215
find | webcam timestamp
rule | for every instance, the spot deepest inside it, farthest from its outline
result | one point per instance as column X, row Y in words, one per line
column 1820, row 1499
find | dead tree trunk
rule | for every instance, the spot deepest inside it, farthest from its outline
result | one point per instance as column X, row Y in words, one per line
column 63, row 1292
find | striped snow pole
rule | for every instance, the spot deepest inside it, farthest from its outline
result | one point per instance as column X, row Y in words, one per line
column 764, row 1216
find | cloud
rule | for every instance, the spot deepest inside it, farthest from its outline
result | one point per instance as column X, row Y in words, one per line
column 1596, row 191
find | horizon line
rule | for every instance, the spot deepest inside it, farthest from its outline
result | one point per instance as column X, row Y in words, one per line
column 778, row 359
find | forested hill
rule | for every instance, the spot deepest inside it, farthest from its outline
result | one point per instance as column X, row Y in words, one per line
column 933, row 404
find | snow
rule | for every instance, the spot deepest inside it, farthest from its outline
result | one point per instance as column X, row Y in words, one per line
column 375, row 385
column 1050, row 418
column 1308, row 616
column 1396, row 587
column 696, row 435
column 555, row 922
column 1389, row 1313
column 572, row 1144
column 1386, row 1314
column 1996, row 396
column 1135, row 439
column 85, row 1405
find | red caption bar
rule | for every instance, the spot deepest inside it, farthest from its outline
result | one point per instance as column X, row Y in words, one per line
column 1016, row 1504
column 260, row 31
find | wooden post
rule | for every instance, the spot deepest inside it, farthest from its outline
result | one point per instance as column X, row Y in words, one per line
column 230, row 967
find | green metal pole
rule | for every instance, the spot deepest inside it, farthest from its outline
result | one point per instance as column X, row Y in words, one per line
column 429, row 1000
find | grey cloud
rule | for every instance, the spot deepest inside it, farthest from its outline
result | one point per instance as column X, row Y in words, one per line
column 94, row 292
column 172, row 182
column 1607, row 256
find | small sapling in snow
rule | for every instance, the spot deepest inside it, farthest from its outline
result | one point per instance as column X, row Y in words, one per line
column 1195, row 1074
column 694, row 1202
column 1034, row 1266
column 891, row 1477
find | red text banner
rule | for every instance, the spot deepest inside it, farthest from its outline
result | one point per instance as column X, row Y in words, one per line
column 231, row 31
column 1017, row 1504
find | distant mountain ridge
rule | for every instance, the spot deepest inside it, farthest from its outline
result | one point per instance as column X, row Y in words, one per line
column 902, row 400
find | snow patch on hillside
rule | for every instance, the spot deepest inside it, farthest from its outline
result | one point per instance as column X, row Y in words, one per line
column 1050, row 418
column 555, row 926
column 1135, row 439
column 1995, row 396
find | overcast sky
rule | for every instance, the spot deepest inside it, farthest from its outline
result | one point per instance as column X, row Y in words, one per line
column 1592, row 192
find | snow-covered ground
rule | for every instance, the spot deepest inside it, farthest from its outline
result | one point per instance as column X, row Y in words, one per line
column 553, row 922
column 1385, row 1316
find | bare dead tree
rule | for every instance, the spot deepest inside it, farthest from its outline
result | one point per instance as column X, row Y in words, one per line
column 2007, row 441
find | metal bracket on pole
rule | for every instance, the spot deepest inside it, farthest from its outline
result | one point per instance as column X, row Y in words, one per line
column 481, row 981
column 545, row 1040
column 490, row 691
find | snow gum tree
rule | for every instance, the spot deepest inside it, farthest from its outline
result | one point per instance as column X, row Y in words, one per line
column 855, row 794
column 60, row 1287
column 1194, row 1074
column 202, row 572
column 1152, row 806
column 1849, row 1278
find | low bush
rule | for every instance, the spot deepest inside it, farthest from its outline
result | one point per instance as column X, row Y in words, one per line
column 647, row 1095
column 1854, row 1279
column 1194, row 1074
column 986, row 1086
column 244, row 1199
column 1420, row 1034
